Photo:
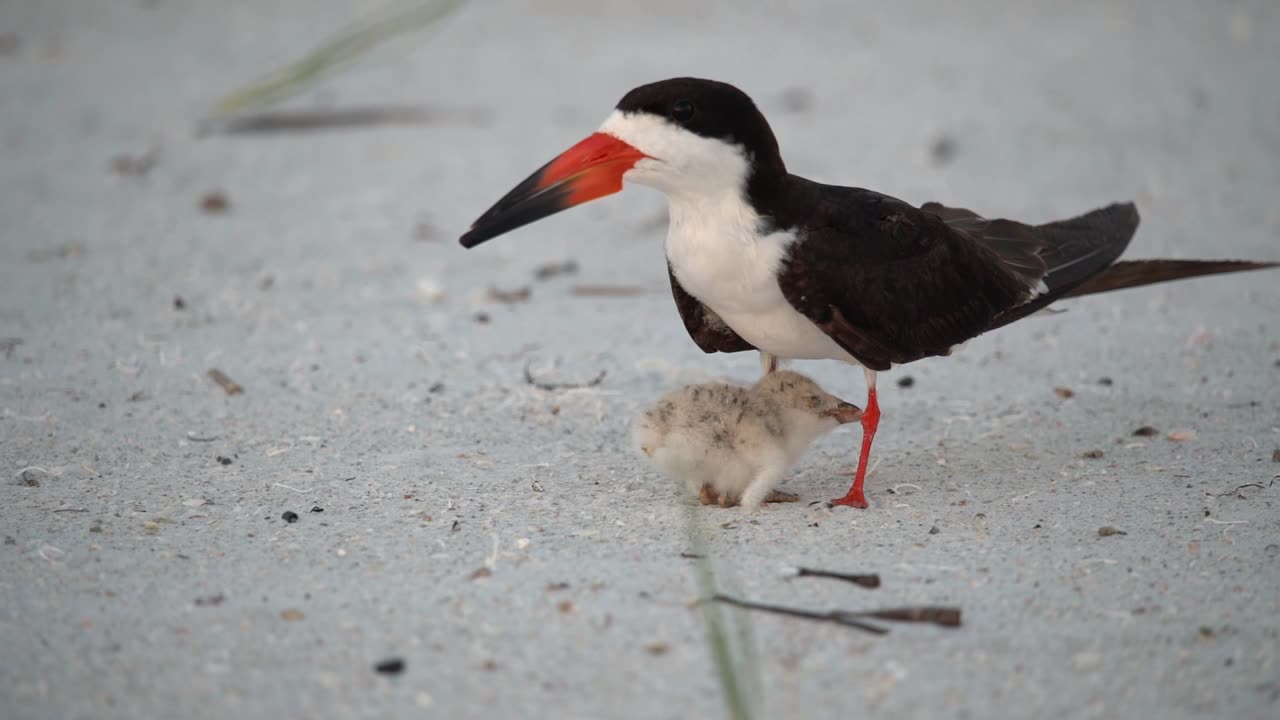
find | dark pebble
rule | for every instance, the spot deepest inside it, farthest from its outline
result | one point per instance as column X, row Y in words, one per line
column 1093, row 454
column 1146, row 431
column 290, row 516
column 391, row 666
column 934, row 530
column 1106, row 381
column 224, row 460
column 317, row 508
column 906, row 381
column 481, row 317
column 1108, row 531
column 179, row 303
column 214, row 202
column 1275, row 456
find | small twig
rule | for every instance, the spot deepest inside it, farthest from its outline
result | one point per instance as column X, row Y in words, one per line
column 837, row 617
column 528, row 378
column 1260, row 486
column 606, row 291
column 941, row 616
column 864, row 580
column 692, row 556
column 231, row 387
column 75, row 510
column 290, row 487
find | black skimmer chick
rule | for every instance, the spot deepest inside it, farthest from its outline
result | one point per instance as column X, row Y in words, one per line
column 763, row 259
column 732, row 444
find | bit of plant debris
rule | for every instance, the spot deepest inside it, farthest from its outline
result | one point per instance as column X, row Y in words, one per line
column 832, row 617
column 483, row 572
column 282, row 121
column 1275, row 456
column 1093, row 455
column 1146, row 431
column 390, row 666
column 943, row 150
column 27, row 477
column 863, row 580
column 481, row 318
column 489, row 665
column 317, row 509
column 291, row 615
column 906, row 381
column 179, row 303
column 289, row 516
column 1182, row 435
column 1236, row 490
column 136, row 166
column 223, row 460
column 1106, row 381
column 229, row 386
column 436, row 388
column 607, row 291
column 692, row 556
column 1064, row 393
column 934, row 530
column 1108, row 531
column 657, row 648
column 528, row 378
column 210, row 600
column 8, row 345
column 940, row 616
column 510, row 297
column 551, row 270
column 565, row 606
column 215, row 202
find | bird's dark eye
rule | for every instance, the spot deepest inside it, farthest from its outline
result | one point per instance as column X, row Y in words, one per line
column 681, row 111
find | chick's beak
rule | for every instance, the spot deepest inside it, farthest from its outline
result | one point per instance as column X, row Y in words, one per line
column 847, row 413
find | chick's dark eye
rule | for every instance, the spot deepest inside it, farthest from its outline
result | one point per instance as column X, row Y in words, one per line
column 681, row 110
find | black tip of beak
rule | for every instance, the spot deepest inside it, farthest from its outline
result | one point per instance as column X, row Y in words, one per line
column 523, row 205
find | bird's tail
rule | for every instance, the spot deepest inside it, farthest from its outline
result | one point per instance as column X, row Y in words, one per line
column 1136, row 273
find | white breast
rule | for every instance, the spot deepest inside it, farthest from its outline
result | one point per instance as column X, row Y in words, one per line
column 720, row 258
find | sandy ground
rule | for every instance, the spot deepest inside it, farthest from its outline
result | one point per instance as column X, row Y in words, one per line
column 499, row 538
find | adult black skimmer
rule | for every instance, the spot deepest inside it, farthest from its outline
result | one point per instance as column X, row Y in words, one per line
column 761, row 259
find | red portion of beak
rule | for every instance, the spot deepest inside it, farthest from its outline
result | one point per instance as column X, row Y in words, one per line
column 591, row 169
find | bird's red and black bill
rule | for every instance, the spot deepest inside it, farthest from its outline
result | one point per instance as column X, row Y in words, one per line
column 589, row 170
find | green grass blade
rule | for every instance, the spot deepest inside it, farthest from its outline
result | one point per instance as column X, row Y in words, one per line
column 348, row 45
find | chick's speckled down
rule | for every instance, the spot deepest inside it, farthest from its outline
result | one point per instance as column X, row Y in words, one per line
column 736, row 443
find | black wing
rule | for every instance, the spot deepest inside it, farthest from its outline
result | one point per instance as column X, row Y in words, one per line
column 706, row 328
column 892, row 283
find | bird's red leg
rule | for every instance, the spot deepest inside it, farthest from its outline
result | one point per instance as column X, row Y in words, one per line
column 870, row 421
